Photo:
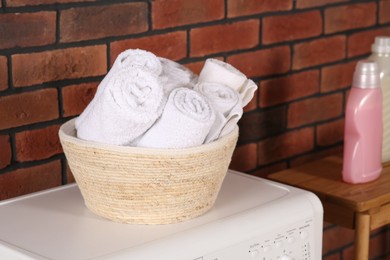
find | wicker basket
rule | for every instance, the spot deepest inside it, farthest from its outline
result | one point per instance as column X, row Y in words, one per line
column 147, row 186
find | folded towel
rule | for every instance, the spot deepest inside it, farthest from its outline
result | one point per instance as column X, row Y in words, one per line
column 221, row 72
column 185, row 121
column 175, row 75
column 132, row 59
column 128, row 105
column 227, row 105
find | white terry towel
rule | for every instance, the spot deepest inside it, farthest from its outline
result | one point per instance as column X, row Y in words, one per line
column 227, row 105
column 185, row 122
column 175, row 75
column 247, row 91
column 132, row 59
column 129, row 104
column 221, row 72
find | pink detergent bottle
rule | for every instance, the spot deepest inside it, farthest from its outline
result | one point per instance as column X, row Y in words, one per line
column 363, row 126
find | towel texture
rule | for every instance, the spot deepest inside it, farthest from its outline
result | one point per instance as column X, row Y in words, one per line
column 185, row 122
column 175, row 75
column 227, row 105
column 129, row 60
column 221, row 72
column 247, row 91
column 130, row 102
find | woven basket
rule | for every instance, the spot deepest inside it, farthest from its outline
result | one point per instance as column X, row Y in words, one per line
column 147, row 186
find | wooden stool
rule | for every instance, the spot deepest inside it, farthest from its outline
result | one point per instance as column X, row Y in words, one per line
column 362, row 207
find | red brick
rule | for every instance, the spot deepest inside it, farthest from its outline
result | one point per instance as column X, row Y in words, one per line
column 351, row 16
column 244, row 158
column 14, row 3
column 384, row 11
column 262, row 62
column 310, row 3
column 315, row 109
column 348, row 253
column 283, row 146
column 249, row 7
column 3, row 73
column 171, row 45
column 330, row 133
column 378, row 246
column 76, row 97
column 360, row 43
column 319, row 51
column 225, row 37
column 314, row 156
column 28, row 108
column 5, row 151
column 283, row 89
column 38, row 67
column 335, row 238
column 27, row 180
column 261, row 124
column 337, row 76
column 37, row 144
column 27, row 29
column 267, row 170
column 290, row 27
column 95, row 22
column 172, row 13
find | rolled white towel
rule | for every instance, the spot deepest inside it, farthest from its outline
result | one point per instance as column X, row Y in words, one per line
column 227, row 105
column 221, row 72
column 175, row 75
column 185, row 122
column 132, row 59
column 127, row 107
column 247, row 91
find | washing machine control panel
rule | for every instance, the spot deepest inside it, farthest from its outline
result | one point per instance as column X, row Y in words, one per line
column 292, row 242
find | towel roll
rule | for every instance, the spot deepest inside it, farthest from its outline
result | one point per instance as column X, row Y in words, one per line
column 227, row 105
column 185, row 122
column 127, row 107
column 221, row 72
column 175, row 75
column 129, row 60
column 133, row 59
column 247, row 91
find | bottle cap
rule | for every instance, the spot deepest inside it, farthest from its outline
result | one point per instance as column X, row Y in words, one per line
column 381, row 45
column 366, row 74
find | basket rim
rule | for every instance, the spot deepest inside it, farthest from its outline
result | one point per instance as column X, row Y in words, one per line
column 67, row 134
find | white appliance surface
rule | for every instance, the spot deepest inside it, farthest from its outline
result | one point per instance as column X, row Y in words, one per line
column 253, row 218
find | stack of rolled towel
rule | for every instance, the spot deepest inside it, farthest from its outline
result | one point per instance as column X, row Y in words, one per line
column 149, row 101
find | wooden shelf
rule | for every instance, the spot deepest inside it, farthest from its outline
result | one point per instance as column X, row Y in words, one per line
column 362, row 207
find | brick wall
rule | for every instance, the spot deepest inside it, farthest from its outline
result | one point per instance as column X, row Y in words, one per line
column 302, row 53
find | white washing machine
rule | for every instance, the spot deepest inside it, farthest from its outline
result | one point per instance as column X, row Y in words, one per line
column 253, row 218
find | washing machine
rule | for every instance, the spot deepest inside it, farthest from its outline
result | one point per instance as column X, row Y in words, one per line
column 253, row 218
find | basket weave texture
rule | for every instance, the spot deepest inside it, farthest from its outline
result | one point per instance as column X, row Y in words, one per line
column 147, row 186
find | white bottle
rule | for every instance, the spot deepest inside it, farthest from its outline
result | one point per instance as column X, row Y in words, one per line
column 381, row 54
